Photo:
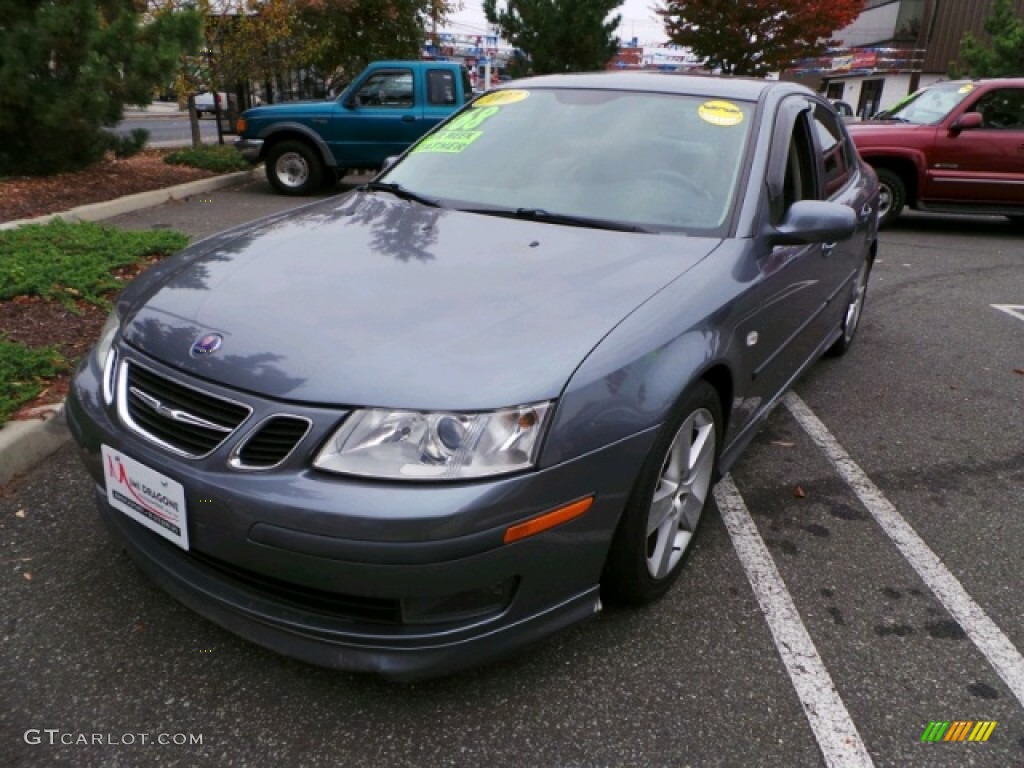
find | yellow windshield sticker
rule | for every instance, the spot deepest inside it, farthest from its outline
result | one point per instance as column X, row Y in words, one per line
column 448, row 141
column 966, row 88
column 500, row 98
column 720, row 113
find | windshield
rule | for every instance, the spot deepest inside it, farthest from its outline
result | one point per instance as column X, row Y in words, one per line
column 643, row 161
column 929, row 105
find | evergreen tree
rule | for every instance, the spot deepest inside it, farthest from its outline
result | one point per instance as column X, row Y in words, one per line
column 1004, row 54
column 68, row 67
column 559, row 35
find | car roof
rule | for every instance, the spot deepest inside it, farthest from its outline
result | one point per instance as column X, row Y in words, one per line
column 718, row 86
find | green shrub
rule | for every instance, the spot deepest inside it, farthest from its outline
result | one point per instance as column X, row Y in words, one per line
column 126, row 146
column 65, row 262
column 212, row 157
column 23, row 373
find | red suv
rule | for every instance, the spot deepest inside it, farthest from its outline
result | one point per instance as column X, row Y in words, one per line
column 954, row 147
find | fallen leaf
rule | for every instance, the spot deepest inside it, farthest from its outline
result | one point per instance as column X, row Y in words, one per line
column 27, row 575
column 1019, row 370
column 20, row 513
column 799, row 492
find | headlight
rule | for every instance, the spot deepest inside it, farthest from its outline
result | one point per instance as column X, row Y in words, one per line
column 411, row 445
column 105, row 355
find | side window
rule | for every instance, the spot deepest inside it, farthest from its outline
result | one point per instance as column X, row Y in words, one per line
column 440, row 87
column 1002, row 109
column 387, row 88
column 798, row 183
column 834, row 148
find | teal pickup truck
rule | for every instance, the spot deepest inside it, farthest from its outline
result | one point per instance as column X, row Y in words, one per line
column 306, row 144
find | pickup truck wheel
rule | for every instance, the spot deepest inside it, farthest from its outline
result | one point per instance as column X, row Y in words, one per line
column 892, row 197
column 293, row 168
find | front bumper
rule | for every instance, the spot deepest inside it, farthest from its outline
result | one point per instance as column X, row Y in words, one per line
column 251, row 149
column 281, row 557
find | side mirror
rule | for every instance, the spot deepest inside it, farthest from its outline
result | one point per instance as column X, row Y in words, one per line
column 814, row 221
column 351, row 101
column 388, row 162
column 966, row 122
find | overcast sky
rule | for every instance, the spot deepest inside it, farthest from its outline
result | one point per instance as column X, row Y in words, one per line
column 638, row 20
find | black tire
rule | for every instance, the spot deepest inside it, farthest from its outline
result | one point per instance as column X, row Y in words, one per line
column 294, row 168
column 893, row 197
column 641, row 567
column 854, row 311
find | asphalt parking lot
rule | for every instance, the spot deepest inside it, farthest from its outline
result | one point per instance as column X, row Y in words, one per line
column 861, row 581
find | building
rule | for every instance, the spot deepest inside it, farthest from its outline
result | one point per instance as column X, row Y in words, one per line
column 893, row 48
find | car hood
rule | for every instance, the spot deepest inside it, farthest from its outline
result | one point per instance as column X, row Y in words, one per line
column 882, row 127
column 275, row 111
column 369, row 300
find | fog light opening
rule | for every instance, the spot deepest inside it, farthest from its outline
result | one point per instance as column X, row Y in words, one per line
column 460, row 606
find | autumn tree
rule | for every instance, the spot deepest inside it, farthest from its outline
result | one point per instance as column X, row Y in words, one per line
column 1003, row 53
column 343, row 36
column 559, row 35
column 68, row 67
column 756, row 37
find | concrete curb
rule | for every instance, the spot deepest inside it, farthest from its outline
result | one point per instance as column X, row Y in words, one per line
column 25, row 443
column 105, row 210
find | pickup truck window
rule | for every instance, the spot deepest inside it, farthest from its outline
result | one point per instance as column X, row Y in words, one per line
column 440, row 87
column 1002, row 109
column 387, row 88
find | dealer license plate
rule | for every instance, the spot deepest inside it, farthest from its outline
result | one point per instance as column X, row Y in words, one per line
column 146, row 496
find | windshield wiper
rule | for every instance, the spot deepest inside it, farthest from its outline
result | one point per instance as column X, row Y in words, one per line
column 399, row 191
column 539, row 214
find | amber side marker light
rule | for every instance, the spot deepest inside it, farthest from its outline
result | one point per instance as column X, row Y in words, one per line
column 240, row 125
column 548, row 520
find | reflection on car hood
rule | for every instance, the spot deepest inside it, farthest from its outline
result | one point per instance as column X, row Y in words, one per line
column 369, row 300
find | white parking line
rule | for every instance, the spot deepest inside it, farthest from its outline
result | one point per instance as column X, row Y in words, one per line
column 837, row 736
column 990, row 640
column 1013, row 310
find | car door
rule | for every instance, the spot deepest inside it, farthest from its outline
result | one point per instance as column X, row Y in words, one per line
column 381, row 115
column 983, row 165
column 784, row 320
column 843, row 182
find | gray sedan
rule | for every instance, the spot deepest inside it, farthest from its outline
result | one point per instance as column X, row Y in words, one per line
column 413, row 428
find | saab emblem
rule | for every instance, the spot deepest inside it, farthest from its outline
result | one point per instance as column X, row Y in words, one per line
column 206, row 344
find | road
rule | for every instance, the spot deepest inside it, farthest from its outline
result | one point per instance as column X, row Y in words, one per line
column 861, row 579
column 163, row 130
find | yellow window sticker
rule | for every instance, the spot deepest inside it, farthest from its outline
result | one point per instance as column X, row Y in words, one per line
column 448, row 141
column 501, row 98
column 720, row 113
column 966, row 88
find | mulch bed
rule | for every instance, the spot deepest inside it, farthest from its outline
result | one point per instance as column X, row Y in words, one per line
column 23, row 197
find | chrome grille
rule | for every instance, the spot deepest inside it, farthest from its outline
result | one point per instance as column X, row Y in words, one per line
column 183, row 419
column 270, row 443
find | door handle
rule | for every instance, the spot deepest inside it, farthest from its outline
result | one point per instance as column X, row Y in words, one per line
column 866, row 211
column 408, row 118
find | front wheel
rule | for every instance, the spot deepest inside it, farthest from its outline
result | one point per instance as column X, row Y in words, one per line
column 293, row 168
column 892, row 196
column 668, row 501
column 854, row 310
